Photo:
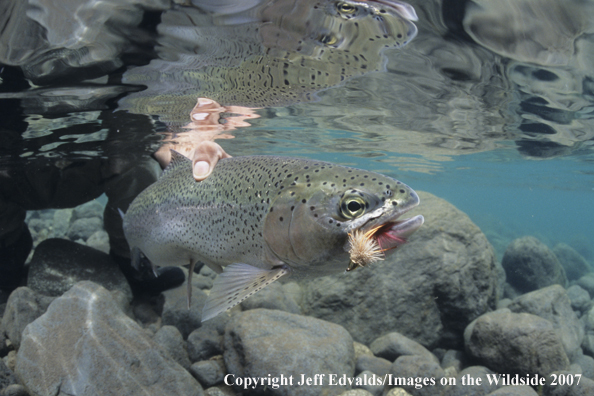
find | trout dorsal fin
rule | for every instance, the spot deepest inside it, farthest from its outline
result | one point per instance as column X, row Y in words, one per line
column 177, row 160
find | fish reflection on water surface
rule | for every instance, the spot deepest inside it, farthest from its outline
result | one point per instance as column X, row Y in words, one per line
column 262, row 218
column 274, row 54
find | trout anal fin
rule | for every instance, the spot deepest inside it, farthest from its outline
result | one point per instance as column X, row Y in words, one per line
column 235, row 284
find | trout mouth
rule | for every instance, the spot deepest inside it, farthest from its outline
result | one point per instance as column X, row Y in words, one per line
column 392, row 234
column 405, row 10
column 366, row 247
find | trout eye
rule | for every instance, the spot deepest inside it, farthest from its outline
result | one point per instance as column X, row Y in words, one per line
column 345, row 8
column 352, row 206
column 328, row 39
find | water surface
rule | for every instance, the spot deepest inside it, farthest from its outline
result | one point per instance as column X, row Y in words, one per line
column 498, row 120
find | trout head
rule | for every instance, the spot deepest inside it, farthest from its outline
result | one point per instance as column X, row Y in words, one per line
column 308, row 224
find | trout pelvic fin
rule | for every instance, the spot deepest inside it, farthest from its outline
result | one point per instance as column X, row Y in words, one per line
column 235, row 284
column 190, row 272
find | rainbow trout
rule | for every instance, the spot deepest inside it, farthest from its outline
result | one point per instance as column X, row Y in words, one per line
column 256, row 219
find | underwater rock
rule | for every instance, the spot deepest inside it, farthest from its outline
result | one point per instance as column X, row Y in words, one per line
column 585, row 387
column 415, row 366
column 587, row 283
column 99, row 241
column 367, row 379
column 474, row 389
column 551, row 303
column 588, row 320
column 503, row 303
column 37, row 226
column 7, row 377
column 84, row 228
column 220, row 390
column 580, row 299
column 85, row 345
column 61, row 222
column 574, row 264
column 455, row 359
column 170, row 339
column 5, row 344
column 209, row 372
column 446, row 271
column 58, row 264
column 88, row 210
column 23, row 307
column 514, row 391
column 586, row 363
column 175, row 308
column 14, row 390
column 205, row 278
column 361, row 350
column 275, row 296
column 515, row 343
column 376, row 365
column 393, row 345
column 145, row 311
column 261, row 342
column 361, row 392
column 397, row 392
column 530, row 265
column 204, row 343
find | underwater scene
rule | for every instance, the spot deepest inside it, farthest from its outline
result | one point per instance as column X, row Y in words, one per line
column 297, row 197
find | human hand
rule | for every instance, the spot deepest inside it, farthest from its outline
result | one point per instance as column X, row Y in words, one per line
column 204, row 156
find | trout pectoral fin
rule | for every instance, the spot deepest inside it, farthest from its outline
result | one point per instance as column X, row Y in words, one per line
column 135, row 258
column 235, row 284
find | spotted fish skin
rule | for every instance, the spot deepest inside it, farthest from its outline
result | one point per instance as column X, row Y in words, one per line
column 277, row 214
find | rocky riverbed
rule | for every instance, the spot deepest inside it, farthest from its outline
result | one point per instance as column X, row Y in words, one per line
column 440, row 317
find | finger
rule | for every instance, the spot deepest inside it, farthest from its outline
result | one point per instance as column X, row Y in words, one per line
column 204, row 158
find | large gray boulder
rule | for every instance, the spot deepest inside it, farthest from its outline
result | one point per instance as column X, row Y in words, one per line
column 276, row 296
column 85, row 345
column 58, row 264
column 515, row 343
column 553, row 304
column 263, row 342
column 446, row 272
column 530, row 265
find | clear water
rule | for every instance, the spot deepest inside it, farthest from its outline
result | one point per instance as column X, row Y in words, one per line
column 504, row 132
column 486, row 104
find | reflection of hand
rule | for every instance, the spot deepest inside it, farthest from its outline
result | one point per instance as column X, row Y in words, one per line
column 206, row 118
column 196, row 142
